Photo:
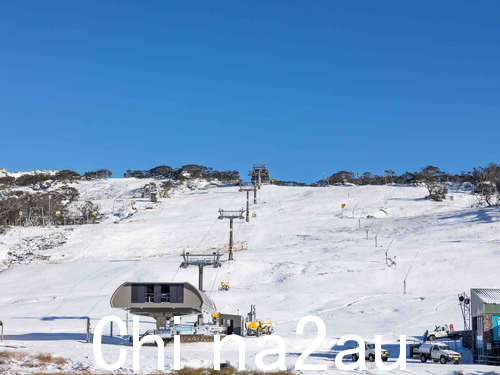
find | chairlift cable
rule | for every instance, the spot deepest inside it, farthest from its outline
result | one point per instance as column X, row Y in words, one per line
column 213, row 284
column 213, row 224
column 175, row 274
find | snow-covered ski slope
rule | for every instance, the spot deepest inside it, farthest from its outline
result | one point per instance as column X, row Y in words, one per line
column 299, row 256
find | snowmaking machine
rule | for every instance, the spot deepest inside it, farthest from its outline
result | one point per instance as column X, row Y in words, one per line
column 257, row 327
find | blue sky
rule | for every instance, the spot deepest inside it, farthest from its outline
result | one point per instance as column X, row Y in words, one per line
column 307, row 87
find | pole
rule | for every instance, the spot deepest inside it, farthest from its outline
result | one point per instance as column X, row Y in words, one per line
column 254, row 195
column 111, row 329
column 259, row 179
column 88, row 329
column 411, row 265
column 20, row 219
column 200, row 277
column 387, row 251
column 354, row 210
column 50, row 224
column 248, row 206
column 200, row 287
column 231, row 239
column 359, row 221
column 127, row 323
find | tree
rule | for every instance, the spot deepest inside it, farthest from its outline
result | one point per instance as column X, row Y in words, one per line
column 7, row 180
column 29, row 179
column 162, row 171
column 429, row 174
column 90, row 211
column 492, row 174
column 408, row 178
column 100, row 174
column 389, row 173
column 67, row 175
column 197, row 171
column 437, row 191
column 341, row 177
column 137, row 174
column 366, row 178
column 488, row 191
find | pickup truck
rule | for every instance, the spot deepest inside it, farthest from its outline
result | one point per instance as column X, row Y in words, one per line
column 369, row 352
column 438, row 352
column 443, row 333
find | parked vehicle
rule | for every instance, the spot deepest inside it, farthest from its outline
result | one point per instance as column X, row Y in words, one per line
column 443, row 333
column 438, row 352
column 369, row 352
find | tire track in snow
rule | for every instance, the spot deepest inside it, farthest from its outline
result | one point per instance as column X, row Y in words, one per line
column 329, row 310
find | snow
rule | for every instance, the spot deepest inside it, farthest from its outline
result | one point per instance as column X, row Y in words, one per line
column 5, row 173
column 301, row 255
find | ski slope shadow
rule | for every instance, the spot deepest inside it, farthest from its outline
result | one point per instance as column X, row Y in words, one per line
column 486, row 215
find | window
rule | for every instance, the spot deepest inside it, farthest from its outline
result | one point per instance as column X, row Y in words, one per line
column 165, row 294
column 150, row 293
column 157, row 293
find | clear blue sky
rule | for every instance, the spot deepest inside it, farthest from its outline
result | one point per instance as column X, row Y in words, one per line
column 305, row 86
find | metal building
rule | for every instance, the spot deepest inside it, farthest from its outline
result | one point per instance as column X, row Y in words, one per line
column 162, row 300
column 485, row 312
column 234, row 324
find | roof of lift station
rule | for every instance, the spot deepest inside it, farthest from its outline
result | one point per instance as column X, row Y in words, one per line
column 193, row 301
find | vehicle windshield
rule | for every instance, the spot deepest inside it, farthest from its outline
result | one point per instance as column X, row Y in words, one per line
column 370, row 346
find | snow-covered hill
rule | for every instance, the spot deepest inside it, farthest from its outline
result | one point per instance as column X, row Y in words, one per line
column 301, row 255
column 5, row 173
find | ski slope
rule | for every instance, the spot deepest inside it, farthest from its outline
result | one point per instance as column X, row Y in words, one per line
column 301, row 255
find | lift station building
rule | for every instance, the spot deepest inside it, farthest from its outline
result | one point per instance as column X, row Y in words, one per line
column 485, row 313
column 162, row 301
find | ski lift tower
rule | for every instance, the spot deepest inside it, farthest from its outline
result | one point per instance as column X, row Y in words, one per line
column 259, row 174
column 201, row 261
column 464, row 303
column 231, row 215
column 248, row 189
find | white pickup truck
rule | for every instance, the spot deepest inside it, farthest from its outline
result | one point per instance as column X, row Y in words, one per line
column 369, row 351
column 443, row 333
column 438, row 352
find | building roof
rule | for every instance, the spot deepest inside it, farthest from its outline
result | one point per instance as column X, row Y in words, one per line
column 488, row 296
